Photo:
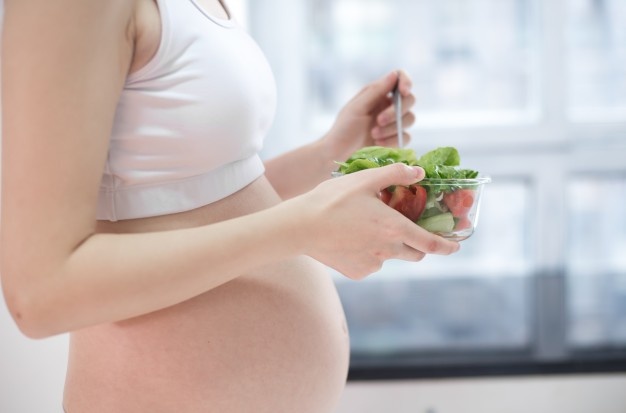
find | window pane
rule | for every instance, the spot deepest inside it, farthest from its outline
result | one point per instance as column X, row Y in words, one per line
column 478, row 298
column 597, row 59
column 472, row 61
column 597, row 261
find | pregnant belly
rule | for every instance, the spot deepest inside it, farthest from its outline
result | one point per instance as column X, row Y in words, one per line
column 273, row 341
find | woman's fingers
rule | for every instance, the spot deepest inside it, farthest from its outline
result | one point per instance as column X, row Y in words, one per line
column 405, row 83
column 407, row 253
column 388, row 116
column 377, row 179
column 372, row 261
column 414, row 242
column 392, row 141
column 370, row 96
column 390, row 130
column 385, row 131
column 422, row 240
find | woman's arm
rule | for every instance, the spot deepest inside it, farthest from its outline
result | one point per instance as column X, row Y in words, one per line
column 368, row 119
column 64, row 65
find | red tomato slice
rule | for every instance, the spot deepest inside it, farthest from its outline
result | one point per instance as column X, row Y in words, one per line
column 459, row 202
column 385, row 196
column 463, row 223
column 409, row 201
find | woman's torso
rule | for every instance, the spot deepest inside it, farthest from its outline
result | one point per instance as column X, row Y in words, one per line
column 273, row 340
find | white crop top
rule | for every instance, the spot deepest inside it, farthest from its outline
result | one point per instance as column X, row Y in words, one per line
column 189, row 125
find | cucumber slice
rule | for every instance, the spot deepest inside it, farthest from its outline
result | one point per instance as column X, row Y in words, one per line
column 430, row 212
column 438, row 223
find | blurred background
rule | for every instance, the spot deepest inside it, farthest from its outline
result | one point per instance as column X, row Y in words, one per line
column 531, row 314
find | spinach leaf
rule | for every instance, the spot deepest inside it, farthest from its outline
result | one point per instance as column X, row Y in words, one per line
column 376, row 156
column 447, row 156
column 440, row 163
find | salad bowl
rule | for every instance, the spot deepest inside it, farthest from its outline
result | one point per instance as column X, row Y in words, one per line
column 446, row 202
column 446, row 207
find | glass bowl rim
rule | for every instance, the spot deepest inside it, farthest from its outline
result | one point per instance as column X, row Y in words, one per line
column 438, row 181
column 455, row 181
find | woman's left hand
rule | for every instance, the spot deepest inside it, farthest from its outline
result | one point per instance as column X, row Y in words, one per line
column 369, row 117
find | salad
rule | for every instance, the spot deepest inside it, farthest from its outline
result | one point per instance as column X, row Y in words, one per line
column 444, row 202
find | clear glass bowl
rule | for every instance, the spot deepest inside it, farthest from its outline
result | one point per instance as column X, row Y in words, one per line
column 446, row 207
column 452, row 206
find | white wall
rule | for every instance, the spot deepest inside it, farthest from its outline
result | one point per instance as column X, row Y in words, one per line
column 32, row 372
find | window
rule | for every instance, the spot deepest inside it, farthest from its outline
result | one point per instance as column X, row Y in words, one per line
column 596, row 53
column 596, row 264
column 533, row 94
column 464, row 74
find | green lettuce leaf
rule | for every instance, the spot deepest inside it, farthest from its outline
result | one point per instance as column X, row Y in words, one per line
column 446, row 156
column 376, row 156
column 440, row 163
column 448, row 172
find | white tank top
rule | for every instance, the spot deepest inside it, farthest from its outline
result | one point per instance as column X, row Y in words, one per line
column 189, row 125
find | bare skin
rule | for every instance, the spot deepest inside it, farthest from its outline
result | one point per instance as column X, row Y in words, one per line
column 224, row 308
column 272, row 340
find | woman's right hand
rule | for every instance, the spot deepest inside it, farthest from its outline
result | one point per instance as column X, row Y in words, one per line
column 351, row 230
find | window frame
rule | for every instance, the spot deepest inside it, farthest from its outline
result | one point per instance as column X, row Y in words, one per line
column 551, row 139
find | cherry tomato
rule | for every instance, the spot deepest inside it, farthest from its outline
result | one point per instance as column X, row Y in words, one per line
column 409, row 201
column 459, row 202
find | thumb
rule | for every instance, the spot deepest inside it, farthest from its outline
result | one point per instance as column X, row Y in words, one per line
column 395, row 174
column 370, row 96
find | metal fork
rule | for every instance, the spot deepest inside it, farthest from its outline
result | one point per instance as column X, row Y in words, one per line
column 397, row 104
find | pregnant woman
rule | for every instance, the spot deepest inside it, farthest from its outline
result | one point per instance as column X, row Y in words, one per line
column 138, row 216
